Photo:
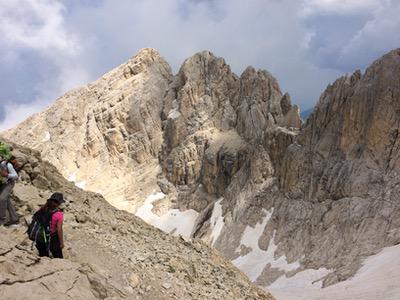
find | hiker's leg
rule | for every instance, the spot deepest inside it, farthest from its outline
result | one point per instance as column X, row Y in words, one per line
column 10, row 206
column 3, row 205
column 12, row 212
column 5, row 194
column 43, row 249
column 55, row 248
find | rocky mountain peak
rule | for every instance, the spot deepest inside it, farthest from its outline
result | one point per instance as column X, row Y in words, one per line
column 369, row 115
column 109, row 125
column 145, row 59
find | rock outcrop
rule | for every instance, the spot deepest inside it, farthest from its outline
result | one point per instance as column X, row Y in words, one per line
column 111, row 254
column 333, row 197
column 215, row 124
column 344, row 168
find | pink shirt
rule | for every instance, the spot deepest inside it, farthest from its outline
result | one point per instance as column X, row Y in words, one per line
column 58, row 217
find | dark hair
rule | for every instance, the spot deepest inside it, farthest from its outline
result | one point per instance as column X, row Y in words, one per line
column 51, row 205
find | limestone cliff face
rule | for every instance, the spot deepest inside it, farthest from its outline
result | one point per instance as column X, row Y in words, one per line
column 213, row 121
column 201, row 125
column 106, row 136
column 354, row 130
column 334, row 196
column 342, row 172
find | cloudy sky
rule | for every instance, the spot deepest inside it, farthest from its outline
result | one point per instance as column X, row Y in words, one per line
column 50, row 46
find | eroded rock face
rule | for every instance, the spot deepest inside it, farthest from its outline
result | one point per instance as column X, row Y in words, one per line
column 351, row 140
column 334, row 196
column 109, row 136
column 345, row 166
column 106, row 136
column 213, row 118
column 110, row 254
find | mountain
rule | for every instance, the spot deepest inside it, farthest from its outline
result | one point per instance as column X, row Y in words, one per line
column 106, row 136
column 226, row 159
column 110, row 254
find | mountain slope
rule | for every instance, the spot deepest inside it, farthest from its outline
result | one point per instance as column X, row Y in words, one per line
column 111, row 254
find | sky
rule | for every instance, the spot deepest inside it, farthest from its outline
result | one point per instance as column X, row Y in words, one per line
column 48, row 47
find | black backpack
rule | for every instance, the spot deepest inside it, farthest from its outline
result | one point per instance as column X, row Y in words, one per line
column 39, row 229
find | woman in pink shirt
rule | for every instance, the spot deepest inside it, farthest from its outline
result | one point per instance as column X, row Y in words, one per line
column 56, row 239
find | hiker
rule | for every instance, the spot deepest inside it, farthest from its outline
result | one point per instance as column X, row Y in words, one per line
column 9, row 176
column 49, row 219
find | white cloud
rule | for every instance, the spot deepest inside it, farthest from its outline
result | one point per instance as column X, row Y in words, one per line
column 16, row 113
column 306, row 43
column 351, row 34
column 379, row 34
column 36, row 24
column 37, row 27
column 345, row 7
column 265, row 34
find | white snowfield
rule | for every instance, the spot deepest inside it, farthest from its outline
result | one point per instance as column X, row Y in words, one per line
column 174, row 221
column 377, row 279
column 79, row 184
column 72, row 177
column 253, row 263
column 216, row 221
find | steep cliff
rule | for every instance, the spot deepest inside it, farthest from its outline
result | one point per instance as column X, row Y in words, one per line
column 334, row 197
column 106, row 135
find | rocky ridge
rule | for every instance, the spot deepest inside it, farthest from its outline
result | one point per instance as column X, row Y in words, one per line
column 106, row 135
column 111, row 254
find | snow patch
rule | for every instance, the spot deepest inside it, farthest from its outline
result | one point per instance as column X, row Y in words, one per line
column 253, row 263
column 307, row 281
column 72, row 177
column 174, row 221
column 216, row 221
column 376, row 279
column 174, row 114
column 47, row 137
column 81, row 184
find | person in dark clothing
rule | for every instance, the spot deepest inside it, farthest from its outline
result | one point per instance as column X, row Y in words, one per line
column 56, row 239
